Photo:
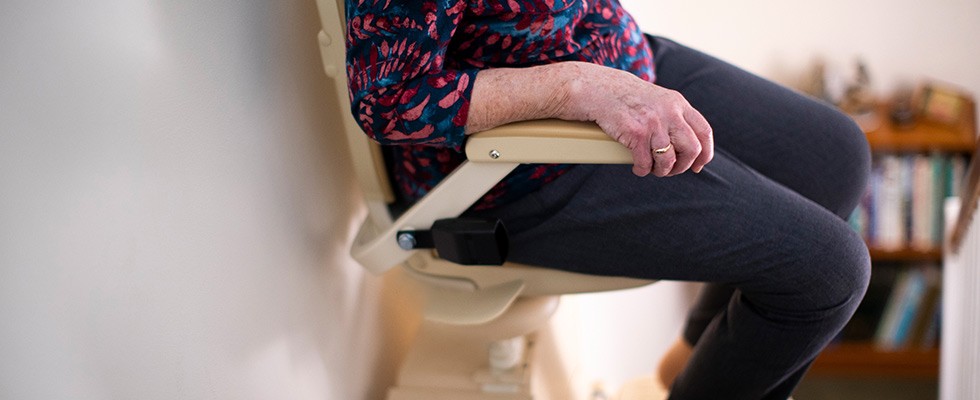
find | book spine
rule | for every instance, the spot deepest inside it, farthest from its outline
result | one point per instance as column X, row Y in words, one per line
column 922, row 206
column 891, row 233
column 910, row 307
column 885, row 333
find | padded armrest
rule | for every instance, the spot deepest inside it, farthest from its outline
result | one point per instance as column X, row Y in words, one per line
column 547, row 141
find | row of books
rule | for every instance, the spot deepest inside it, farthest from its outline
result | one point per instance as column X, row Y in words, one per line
column 901, row 310
column 903, row 206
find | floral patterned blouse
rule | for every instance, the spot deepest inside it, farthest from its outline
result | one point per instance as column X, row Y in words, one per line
column 411, row 66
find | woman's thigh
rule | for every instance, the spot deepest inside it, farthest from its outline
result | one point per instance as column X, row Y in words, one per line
column 790, row 138
column 727, row 224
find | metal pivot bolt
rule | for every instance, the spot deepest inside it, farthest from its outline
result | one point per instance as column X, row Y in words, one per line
column 406, row 241
column 494, row 154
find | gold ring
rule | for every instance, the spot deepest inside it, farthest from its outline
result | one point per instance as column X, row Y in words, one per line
column 664, row 149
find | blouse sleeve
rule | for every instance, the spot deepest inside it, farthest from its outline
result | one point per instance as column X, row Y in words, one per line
column 401, row 92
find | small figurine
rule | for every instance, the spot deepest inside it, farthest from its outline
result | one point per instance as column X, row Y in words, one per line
column 902, row 112
column 859, row 101
column 825, row 83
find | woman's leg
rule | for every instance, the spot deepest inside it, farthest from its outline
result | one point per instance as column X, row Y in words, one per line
column 796, row 141
column 770, row 227
column 712, row 298
column 799, row 270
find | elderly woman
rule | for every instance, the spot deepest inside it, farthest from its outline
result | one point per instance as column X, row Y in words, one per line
column 735, row 181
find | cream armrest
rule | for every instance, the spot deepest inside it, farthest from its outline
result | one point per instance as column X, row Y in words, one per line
column 491, row 156
column 547, row 141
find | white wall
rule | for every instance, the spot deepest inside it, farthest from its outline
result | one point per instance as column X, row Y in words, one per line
column 901, row 40
column 173, row 211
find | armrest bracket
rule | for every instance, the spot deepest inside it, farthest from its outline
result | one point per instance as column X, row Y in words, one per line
column 375, row 247
column 491, row 156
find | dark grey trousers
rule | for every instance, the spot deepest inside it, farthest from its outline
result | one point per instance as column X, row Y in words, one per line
column 763, row 223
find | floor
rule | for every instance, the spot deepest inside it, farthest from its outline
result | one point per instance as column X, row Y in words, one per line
column 645, row 388
column 814, row 389
column 866, row 389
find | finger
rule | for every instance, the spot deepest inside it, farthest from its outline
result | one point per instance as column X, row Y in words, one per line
column 705, row 135
column 663, row 163
column 639, row 145
column 686, row 147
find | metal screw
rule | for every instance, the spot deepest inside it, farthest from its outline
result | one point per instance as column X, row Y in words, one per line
column 406, row 241
column 494, row 154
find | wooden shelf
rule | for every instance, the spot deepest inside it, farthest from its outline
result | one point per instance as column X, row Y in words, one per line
column 932, row 255
column 866, row 360
column 924, row 135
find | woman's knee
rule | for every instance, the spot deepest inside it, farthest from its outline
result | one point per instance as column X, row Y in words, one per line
column 837, row 272
column 853, row 264
column 823, row 277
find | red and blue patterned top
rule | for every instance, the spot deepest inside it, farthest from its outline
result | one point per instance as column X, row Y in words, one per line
column 411, row 66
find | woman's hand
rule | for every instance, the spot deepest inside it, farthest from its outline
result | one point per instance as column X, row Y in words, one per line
column 640, row 115
column 643, row 117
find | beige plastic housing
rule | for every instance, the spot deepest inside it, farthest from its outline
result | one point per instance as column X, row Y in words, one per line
column 467, row 307
column 462, row 295
column 366, row 156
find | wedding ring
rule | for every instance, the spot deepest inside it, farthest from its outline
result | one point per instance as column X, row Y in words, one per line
column 663, row 149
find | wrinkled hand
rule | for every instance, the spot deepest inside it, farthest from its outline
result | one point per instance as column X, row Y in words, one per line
column 644, row 117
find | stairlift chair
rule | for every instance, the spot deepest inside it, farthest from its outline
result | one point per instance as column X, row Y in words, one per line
column 476, row 317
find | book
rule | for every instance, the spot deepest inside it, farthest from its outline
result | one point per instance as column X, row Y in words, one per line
column 895, row 327
column 891, row 204
column 922, row 204
column 884, row 334
column 926, row 316
column 939, row 163
column 957, row 168
column 870, row 204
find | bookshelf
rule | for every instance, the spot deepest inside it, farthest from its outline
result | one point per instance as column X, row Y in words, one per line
column 906, row 254
column 865, row 358
column 925, row 136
